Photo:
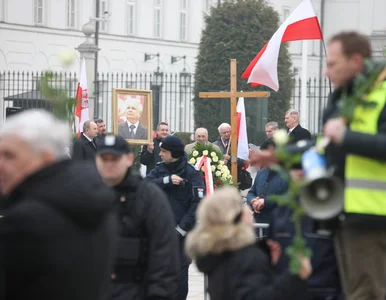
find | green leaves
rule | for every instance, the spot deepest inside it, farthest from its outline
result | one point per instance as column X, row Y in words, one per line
column 52, row 91
column 299, row 249
column 363, row 84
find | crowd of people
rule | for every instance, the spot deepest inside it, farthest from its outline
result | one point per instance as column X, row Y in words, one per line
column 83, row 224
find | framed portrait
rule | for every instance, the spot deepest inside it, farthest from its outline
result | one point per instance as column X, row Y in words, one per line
column 132, row 115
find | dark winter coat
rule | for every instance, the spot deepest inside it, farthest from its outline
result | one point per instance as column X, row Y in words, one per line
column 83, row 149
column 267, row 182
column 299, row 133
column 238, row 269
column 324, row 280
column 58, row 234
column 150, row 159
column 144, row 214
column 183, row 198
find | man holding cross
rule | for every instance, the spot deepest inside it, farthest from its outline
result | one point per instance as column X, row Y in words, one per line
column 223, row 141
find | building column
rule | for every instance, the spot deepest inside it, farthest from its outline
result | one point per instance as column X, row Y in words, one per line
column 88, row 51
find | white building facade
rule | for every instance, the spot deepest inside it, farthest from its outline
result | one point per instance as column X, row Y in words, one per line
column 147, row 36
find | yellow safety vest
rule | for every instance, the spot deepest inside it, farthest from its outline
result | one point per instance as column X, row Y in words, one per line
column 365, row 178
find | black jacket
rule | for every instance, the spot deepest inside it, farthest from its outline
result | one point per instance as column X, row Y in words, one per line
column 58, row 234
column 83, row 149
column 362, row 144
column 299, row 133
column 145, row 214
column 183, row 198
column 150, row 159
column 324, row 281
column 246, row 274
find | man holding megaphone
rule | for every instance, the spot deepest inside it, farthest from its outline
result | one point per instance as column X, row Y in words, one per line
column 357, row 153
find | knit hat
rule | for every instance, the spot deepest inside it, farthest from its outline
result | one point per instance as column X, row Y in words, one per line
column 174, row 145
column 112, row 144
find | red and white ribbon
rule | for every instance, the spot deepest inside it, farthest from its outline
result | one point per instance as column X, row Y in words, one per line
column 204, row 161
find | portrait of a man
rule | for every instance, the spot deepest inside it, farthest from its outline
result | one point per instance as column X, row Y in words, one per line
column 132, row 113
column 131, row 128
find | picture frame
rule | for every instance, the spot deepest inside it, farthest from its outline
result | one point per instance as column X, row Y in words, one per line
column 129, row 121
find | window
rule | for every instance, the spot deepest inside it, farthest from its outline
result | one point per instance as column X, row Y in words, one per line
column 2, row 10
column 38, row 12
column 103, row 11
column 130, row 19
column 184, row 20
column 158, row 19
column 71, row 14
column 286, row 13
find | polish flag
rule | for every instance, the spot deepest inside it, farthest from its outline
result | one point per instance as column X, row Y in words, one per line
column 242, row 145
column 81, row 108
column 302, row 24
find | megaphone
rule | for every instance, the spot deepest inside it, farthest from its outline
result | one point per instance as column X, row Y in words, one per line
column 322, row 196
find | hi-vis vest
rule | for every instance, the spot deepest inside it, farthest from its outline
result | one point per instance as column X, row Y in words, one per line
column 365, row 191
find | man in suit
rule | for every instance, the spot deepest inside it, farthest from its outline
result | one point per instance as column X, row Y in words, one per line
column 201, row 136
column 295, row 131
column 101, row 129
column 85, row 146
column 132, row 129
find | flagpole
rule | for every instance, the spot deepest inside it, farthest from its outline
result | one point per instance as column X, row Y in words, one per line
column 303, row 98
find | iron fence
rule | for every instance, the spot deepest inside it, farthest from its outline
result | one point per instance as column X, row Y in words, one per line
column 172, row 95
column 22, row 89
column 317, row 95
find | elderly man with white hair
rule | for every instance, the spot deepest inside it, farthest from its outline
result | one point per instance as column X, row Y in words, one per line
column 224, row 143
column 57, row 229
column 132, row 128
column 200, row 136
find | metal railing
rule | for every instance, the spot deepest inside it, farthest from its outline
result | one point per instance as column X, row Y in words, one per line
column 172, row 95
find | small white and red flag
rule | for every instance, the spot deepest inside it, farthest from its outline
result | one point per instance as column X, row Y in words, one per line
column 82, row 106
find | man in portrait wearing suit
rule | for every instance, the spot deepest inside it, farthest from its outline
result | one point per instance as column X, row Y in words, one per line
column 85, row 146
column 295, row 131
column 132, row 129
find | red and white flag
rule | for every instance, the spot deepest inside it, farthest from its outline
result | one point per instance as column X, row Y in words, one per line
column 81, row 108
column 302, row 24
column 242, row 144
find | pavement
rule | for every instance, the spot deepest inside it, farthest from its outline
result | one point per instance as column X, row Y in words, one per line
column 196, row 284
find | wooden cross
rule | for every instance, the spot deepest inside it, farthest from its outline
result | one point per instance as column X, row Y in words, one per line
column 233, row 94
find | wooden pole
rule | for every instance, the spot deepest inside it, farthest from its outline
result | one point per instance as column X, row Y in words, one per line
column 233, row 75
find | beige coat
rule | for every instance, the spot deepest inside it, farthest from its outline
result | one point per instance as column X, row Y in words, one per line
column 189, row 147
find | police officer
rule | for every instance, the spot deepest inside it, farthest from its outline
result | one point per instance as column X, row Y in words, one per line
column 184, row 187
column 146, row 264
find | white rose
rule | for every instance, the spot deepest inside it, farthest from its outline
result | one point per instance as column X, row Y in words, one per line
column 203, row 169
column 215, row 158
column 221, row 162
column 195, row 153
column 213, row 168
column 224, row 176
column 205, row 152
column 67, row 57
column 281, row 137
column 213, row 154
column 218, row 173
column 192, row 161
